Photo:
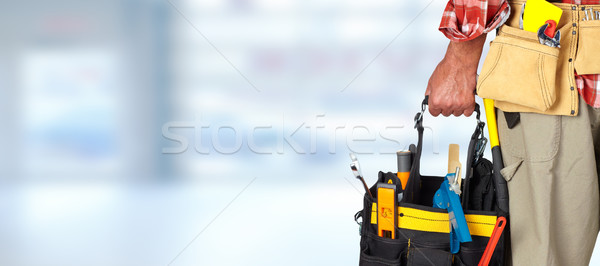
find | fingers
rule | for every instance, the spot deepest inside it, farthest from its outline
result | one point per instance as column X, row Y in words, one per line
column 448, row 108
column 436, row 107
column 468, row 112
column 434, row 111
column 446, row 112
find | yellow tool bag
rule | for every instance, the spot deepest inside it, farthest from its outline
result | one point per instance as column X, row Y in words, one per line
column 422, row 233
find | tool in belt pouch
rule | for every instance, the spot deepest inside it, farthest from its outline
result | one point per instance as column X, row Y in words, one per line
column 422, row 232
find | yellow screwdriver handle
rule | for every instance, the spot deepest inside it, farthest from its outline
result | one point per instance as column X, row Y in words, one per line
column 490, row 115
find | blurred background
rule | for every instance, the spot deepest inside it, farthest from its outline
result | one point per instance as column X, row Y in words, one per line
column 178, row 132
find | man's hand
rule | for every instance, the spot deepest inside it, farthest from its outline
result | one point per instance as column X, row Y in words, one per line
column 451, row 87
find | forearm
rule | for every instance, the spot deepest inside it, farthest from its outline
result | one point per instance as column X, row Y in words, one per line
column 465, row 54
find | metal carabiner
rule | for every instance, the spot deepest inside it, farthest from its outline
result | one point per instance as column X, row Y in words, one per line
column 357, row 216
column 419, row 116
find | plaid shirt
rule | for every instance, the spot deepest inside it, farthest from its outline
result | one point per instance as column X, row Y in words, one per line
column 465, row 20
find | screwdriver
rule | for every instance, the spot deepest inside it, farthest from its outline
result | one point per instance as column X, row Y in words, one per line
column 404, row 164
column 357, row 173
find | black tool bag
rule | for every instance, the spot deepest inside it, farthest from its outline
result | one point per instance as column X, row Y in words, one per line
column 422, row 231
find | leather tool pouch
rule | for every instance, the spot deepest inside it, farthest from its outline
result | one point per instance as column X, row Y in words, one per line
column 519, row 70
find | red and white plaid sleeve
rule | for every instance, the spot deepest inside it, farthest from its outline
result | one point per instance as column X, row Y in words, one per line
column 465, row 20
column 589, row 88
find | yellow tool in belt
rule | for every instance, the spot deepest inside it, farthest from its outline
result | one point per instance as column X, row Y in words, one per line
column 537, row 12
column 387, row 206
column 498, row 164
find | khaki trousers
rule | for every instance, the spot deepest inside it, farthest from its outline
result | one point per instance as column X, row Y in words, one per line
column 552, row 176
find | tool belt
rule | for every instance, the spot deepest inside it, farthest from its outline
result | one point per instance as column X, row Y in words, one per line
column 523, row 75
column 422, row 231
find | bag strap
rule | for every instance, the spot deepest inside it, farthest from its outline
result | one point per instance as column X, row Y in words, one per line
column 475, row 153
column 412, row 191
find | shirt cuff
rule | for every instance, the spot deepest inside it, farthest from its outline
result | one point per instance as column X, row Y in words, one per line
column 472, row 25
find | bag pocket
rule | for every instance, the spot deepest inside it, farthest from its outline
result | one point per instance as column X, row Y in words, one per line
column 472, row 255
column 378, row 251
column 428, row 256
column 588, row 52
column 535, row 139
column 519, row 70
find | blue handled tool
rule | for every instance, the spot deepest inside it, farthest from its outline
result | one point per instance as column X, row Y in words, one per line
column 447, row 198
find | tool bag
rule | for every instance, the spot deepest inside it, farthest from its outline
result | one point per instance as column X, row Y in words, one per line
column 422, row 231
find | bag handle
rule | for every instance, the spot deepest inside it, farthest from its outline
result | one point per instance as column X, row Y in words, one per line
column 412, row 191
column 419, row 116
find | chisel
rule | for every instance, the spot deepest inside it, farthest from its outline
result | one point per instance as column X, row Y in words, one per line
column 454, row 162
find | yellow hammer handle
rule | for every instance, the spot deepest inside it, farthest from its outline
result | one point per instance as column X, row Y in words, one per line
column 490, row 114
